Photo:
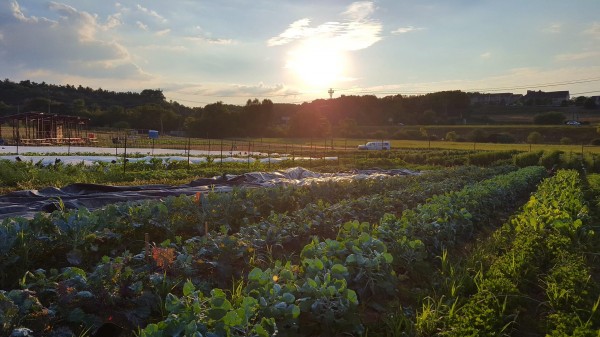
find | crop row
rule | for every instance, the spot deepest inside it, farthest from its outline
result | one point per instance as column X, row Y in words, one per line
column 533, row 278
column 266, row 218
column 129, row 290
column 322, row 293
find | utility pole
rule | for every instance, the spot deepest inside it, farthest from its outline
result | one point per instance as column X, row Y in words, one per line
column 330, row 92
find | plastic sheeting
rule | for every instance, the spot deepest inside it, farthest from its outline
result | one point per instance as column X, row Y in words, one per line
column 92, row 196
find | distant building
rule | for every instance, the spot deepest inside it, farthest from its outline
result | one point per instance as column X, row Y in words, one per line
column 494, row 99
column 553, row 98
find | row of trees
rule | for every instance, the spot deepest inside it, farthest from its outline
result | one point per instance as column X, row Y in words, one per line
column 342, row 116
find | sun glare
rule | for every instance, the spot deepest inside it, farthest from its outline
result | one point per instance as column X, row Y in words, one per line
column 317, row 65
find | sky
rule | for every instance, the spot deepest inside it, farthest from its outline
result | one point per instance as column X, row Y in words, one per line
column 289, row 51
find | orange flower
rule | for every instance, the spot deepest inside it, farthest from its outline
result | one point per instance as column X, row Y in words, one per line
column 163, row 257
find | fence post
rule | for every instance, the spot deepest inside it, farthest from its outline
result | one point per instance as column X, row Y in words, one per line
column 248, row 153
column 221, row 164
column 189, row 146
column 125, row 155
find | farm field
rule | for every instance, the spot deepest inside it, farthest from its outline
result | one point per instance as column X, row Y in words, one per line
column 482, row 243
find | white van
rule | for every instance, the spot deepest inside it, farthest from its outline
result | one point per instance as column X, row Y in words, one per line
column 385, row 145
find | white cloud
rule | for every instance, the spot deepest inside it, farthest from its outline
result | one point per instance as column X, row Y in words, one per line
column 356, row 31
column 593, row 30
column 205, row 37
column 18, row 14
column 517, row 80
column 578, row 56
column 486, row 55
column 297, row 30
column 404, row 30
column 152, row 14
column 163, row 32
column 140, row 17
column 141, row 25
column 85, row 22
column 70, row 45
column 208, row 40
column 113, row 21
column 554, row 28
column 360, row 11
column 218, row 90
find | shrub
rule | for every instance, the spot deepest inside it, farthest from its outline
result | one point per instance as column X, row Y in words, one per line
column 477, row 135
column 595, row 141
column 408, row 134
column 488, row 158
column 566, row 141
column 451, row 136
column 503, row 138
column 534, row 138
column 549, row 118
column 550, row 158
column 527, row 159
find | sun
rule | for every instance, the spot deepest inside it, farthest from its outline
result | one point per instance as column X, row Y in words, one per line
column 317, row 65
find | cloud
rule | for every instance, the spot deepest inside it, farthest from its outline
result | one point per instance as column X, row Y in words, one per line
column 360, row 11
column 141, row 25
column 356, row 31
column 163, row 32
column 297, row 30
column 208, row 40
column 154, row 15
column 404, row 30
column 218, row 90
column 554, row 28
column 113, row 21
column 141, row 17
column 70, row 45
column 578, row 56
column 486, row 55
column 593, row 30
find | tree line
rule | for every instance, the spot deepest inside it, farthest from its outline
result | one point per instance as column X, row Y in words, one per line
column 343, row 116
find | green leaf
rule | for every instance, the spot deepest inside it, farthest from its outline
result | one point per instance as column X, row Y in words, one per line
column 351, row 259
column 172, row 303
column 191, row 328
column 232, row 319
column 255, row 275
column 151, row 330
column 276, row 289
column 388, row 257
column 188, row 288
column 288, row 298
column 260, row 331
column 295, row 311
column 351, row 296
column 339, row 269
